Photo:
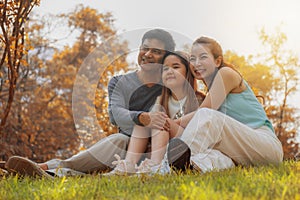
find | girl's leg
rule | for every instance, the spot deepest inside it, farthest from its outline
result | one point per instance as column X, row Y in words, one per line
column 157, row 163
column 210, row 129
column 159, row 141
column 137, row 144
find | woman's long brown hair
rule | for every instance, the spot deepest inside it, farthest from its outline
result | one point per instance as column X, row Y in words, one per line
column 216, row 51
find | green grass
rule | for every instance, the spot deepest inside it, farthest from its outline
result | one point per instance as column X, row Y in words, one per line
column 265, row 182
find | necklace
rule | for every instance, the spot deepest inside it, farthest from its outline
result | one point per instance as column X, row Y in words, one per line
column 180, row 104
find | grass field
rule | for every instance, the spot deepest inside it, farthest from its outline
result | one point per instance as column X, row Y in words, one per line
column 265, row 182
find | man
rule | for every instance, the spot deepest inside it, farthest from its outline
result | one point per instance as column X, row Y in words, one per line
column 130, row 99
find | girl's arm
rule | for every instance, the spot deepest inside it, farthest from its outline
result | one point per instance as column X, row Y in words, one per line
column 183, row 121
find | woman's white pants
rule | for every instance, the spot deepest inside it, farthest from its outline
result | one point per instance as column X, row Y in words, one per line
column 218, row 141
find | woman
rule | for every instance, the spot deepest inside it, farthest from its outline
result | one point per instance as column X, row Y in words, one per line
column 230, row 127
column 178, row 98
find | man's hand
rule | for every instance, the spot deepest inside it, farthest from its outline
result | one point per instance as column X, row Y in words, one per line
column 154, row 120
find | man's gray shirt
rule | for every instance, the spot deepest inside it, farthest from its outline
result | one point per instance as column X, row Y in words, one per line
column 128, row 97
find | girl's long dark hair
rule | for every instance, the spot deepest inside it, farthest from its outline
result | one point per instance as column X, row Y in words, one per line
column 192, row 101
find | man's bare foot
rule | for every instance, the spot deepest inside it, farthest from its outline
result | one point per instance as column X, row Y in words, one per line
column 25, row 167
column 43, row 166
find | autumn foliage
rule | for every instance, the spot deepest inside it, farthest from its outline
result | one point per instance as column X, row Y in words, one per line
column 41, row 124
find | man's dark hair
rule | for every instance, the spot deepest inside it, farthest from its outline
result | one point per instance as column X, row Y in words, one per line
column 161, row 35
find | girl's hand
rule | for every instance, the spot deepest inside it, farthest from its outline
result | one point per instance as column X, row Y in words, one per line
column 177, row 121
column 167, row 125
column 153, row 120
column 173, row 128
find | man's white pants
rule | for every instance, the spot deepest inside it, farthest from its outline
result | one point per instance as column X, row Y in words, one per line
column 96, row 158
column 218, row 141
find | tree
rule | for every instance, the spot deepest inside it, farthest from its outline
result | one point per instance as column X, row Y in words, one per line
column 46, row 128
column 90, row 54
column 256, row 74
column 284, row 65
column 13, row 16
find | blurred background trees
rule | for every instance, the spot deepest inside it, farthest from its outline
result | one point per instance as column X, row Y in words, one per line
column 13, row 17
column 45, row 78
column 40, row 124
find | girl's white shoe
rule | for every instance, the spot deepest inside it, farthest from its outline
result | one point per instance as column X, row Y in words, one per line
column 123, row 167
column 150, row 167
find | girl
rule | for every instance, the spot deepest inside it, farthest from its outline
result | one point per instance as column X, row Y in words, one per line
column 231, row 126
column 178, row 98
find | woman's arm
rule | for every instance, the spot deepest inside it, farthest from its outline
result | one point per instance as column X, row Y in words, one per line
column 226, row 81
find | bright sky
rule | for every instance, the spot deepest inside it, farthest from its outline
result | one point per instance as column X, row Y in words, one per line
column 234, row 23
